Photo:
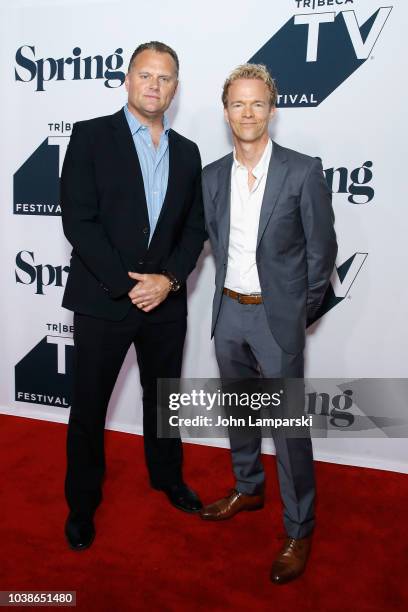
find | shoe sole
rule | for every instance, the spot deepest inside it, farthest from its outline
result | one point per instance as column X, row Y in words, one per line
column 286, row 580
column 185, row 509
column 225, row 518
column 178, row 507
column 75, row 549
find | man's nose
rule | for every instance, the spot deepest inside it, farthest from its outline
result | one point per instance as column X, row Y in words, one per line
column 154, row 83
column 247, row 111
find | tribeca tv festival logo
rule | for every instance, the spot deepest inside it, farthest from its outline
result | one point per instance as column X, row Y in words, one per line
column 38, row 275
column 341, row 281
column 36, row 185
column 314, row 53
column 40, row 70
column 43, row 375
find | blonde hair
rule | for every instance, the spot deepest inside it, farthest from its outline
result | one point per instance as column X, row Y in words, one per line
column 251, row 71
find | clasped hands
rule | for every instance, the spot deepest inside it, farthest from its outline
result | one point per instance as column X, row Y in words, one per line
column 149, row 291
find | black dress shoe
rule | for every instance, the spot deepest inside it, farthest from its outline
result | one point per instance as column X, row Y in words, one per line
column 79, row 531
column 181, row 497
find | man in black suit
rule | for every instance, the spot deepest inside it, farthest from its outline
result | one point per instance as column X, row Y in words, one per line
column 132, row 210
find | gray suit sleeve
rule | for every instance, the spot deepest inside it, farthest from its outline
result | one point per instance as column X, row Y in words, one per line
column 208, row 205
column 318, row 226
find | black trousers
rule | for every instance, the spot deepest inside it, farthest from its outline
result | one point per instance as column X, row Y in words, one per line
column 100, row 349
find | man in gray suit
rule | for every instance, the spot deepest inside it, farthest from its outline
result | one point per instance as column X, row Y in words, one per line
column 270, row 222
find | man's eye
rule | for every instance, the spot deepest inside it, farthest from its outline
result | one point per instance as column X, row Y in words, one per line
column 144, row 76
column 165, row 79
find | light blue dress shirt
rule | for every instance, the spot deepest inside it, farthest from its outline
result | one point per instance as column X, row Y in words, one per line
column 154, row 164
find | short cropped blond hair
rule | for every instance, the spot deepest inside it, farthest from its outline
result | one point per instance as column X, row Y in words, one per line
column 251, row 71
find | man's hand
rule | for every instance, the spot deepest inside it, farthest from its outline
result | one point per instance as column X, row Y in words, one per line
column 150, row 290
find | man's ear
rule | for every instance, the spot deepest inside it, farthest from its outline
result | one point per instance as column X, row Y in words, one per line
column 127, row 82
column 226, row 115
column 272, row 112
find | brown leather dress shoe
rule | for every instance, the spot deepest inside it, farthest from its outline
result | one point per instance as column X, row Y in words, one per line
column 291, row 561
column 227, row 507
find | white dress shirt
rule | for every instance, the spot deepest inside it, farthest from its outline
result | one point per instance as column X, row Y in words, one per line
column 242, row 272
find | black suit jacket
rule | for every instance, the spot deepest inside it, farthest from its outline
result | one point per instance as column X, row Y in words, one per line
column 105, row 218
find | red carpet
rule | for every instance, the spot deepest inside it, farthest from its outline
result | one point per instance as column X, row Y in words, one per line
column 149, row 556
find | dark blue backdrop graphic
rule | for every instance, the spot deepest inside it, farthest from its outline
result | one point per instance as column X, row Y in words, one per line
column 285, row 56
column 37, row 380
column 36, row 182
column 330, row 299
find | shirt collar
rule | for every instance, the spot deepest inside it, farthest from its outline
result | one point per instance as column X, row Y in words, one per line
column 262, row 166
column 135, row 125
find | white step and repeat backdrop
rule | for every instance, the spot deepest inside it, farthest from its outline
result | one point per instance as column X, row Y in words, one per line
column 340, row 68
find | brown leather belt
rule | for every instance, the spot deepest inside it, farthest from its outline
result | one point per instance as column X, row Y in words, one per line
column 242, row 298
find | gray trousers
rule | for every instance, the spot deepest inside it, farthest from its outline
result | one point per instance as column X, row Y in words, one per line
column 246, row 348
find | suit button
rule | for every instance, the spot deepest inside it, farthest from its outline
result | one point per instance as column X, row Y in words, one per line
column 141, row 262
column 145, row 230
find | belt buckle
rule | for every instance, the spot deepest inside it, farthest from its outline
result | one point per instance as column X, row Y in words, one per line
column 239, row 298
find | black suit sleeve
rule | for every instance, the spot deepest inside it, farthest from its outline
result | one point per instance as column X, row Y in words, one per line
column 318, row 225
column 183, row 258
column 80, row 217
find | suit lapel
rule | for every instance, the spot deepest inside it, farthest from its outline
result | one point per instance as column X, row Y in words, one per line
column 223, row 202
column 131, row 165
column 277, row 172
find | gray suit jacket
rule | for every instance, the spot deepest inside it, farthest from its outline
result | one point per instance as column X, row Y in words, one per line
column 296, row 245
